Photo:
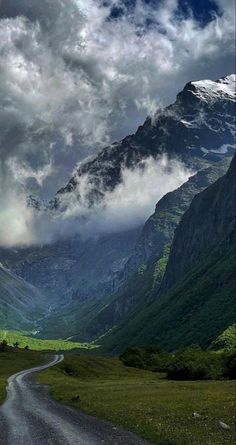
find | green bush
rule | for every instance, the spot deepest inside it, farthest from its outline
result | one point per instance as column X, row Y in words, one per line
column 191, row 363
column 133, row 357
column 194, row 364
column 150, row 357
column 230, row 365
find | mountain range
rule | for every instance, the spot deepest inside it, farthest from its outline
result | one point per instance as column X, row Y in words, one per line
column 198, row 127
column 168, row 280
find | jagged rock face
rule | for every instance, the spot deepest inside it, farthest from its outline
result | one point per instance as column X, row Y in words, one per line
column 199, row 126
column 209, row 222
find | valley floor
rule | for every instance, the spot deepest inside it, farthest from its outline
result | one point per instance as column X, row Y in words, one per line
column 30, row 417
column 140, row 401
column 144, row 402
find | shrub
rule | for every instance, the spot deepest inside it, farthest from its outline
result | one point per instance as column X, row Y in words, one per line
column 133, row 357
column 3, row 345
column 70, row 369
column 230, row 365
column 150, row 357
column 190, row 363
column 194, row 364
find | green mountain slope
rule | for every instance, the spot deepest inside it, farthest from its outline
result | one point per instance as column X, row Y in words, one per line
column 209, row 222
column 146, row 266
column 196, row 300
column 159, row 229
column 194, row 311
column 226, row 340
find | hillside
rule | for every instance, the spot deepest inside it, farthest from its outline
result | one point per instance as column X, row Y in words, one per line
column 195, row 301
column 144, row 270
column 21, row 304
column 226, row 340
column 54, row 268
column 208, row 223
column 158, row 231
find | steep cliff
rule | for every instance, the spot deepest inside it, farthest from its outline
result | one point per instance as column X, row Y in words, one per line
column 196, row 300
column 209, row 223
column 159, row 229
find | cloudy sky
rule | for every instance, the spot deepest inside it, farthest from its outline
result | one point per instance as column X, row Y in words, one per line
column 76, row 75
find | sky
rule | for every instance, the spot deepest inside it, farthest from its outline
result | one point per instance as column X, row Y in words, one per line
column 76, row 75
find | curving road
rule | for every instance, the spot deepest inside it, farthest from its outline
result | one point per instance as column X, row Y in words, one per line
column 30, row 417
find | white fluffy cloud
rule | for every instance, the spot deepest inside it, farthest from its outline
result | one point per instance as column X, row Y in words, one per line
column 127, row 206
column 16, row 221
column 133, row 200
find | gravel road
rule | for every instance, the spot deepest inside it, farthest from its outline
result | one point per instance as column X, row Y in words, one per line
column 30, row 417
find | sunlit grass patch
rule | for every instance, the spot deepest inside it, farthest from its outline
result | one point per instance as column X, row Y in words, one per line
column 37, row 344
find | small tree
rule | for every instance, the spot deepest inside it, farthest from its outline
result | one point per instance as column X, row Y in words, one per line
column 16, row 345
column 230, row 365
column 3, row 345
column 133, row 357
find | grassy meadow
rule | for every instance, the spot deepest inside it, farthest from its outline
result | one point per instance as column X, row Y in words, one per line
column 145, row 402
column 37, row 344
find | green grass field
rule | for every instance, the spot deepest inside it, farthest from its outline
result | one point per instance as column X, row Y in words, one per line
column 23, row 338
column 14, row 361
column 144, row 402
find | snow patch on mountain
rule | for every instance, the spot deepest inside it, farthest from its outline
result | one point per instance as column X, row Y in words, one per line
column 208, row 89
column 223, row 149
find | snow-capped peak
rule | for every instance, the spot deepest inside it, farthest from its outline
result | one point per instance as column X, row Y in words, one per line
column 206, row 89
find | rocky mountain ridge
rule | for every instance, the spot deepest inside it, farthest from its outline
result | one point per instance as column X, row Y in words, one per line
column 198, row 127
